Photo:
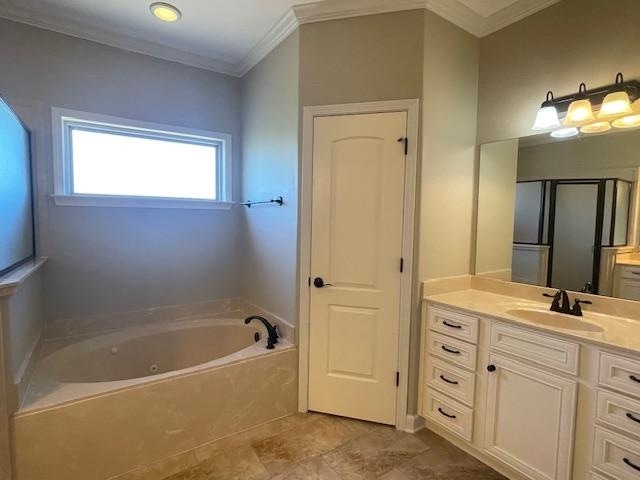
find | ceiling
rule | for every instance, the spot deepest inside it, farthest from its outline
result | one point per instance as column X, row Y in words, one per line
column 230, row 36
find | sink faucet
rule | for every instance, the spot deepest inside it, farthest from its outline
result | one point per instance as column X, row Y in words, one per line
column 555, row 305
column 564, row 307
column 271, row 330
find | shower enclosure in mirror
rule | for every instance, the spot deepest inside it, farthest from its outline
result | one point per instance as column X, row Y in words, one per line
column 16, row 200
column 562, row 214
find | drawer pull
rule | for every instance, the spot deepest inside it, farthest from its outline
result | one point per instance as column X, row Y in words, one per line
column 450, row 350
column 453, row 382
column 630, row 463
column 635, row 273
column 453, row 416
column 450, row 325
column 634, row 378
column 631, row 416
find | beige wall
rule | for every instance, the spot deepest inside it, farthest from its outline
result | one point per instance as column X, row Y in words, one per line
column 571, row 42
column 116, row 259
column 448, row 148
column 450, row 64
column 614, row 154
column 496, row 208
column 377, row 57
column 269, row 169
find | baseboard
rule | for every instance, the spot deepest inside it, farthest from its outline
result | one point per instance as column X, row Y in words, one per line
column 414, row 423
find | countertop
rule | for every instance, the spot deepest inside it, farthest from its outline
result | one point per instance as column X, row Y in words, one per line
column 630, row 263
column 617, row 332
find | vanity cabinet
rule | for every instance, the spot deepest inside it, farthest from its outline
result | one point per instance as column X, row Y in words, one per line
column 626, row 282
column 529, row 418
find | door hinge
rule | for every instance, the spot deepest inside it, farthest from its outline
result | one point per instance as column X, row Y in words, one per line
column 406, row 144
column 397, row 379
column 401, row 265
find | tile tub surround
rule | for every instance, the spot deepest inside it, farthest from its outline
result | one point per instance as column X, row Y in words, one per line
column 315, row 446
column 114, row 433
column 493, row 298
column 235, row 307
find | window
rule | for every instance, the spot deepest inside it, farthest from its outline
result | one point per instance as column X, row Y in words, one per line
column 107, row 161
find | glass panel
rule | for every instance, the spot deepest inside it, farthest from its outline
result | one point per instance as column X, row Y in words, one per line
column 622, row 213
column 111, row 163
column 573, row 235
column 16, row 214
column 528, row 204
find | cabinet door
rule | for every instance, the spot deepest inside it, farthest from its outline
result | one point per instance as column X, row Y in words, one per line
column 629, row 289
column 530, row 419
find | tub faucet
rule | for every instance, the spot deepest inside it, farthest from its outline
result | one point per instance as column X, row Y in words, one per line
column 271, row 330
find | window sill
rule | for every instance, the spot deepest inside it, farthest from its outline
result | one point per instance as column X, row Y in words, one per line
column 138, row 202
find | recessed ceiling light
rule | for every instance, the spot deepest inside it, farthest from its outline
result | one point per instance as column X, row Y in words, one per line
column 165, row 12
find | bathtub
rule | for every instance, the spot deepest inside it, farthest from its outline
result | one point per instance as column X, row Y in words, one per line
column 101, row 406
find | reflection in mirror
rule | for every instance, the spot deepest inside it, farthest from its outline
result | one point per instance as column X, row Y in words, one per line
column 561, row 213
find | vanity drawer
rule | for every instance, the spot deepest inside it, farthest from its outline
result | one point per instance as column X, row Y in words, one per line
column 455, row 324
column 448, row 413
column 616, row 455
column 460, row 353
column 619, row 411
column 536, row 347
column 619, row 373
column 628, row 271
column 453, row 381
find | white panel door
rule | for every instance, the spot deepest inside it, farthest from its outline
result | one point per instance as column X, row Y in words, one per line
column 358, row 189
column 530, row 419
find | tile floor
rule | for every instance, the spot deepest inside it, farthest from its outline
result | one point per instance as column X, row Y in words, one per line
column 315, row 446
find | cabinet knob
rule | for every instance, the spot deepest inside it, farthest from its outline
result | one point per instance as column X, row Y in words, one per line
column 491, row 368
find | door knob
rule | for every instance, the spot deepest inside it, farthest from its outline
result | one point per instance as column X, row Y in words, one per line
column 491, row 368
column 319, row 283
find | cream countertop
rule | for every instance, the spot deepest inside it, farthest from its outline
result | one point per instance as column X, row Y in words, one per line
column 617, row 332
column 629, row 262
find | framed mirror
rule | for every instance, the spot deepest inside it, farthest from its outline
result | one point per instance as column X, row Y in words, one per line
column 562, row 213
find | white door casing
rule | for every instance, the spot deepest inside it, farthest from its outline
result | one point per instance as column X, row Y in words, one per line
column 411, row 107
column 358, row 183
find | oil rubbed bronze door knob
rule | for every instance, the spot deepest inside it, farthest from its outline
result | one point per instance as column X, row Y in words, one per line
column 319, row 283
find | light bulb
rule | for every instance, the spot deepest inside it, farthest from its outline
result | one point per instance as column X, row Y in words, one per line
column 546, row 118
column 165, row 12
column 565, row 133
column 596, row 127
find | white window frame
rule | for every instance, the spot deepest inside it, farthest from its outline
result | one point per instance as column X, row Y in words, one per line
column 63, row 120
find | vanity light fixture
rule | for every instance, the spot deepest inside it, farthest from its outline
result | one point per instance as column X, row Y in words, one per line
column 596, row 127
column 617, row 102
column 612, row 103
column 630, row 121
column 547, row 116
column 580, row 110
column 165, row 12
column 565, row 132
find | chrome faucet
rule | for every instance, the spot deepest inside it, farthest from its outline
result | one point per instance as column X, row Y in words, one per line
column 564, row 307
column 271, row 330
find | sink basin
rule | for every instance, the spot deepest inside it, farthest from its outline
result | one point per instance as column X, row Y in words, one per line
column 553, row 319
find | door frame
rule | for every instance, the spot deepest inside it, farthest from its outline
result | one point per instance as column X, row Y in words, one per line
column 310, row 113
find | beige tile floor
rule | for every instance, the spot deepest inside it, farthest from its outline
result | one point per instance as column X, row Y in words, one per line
column 315, row 446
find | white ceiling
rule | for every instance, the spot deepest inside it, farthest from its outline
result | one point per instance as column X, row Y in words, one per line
column 230, row 36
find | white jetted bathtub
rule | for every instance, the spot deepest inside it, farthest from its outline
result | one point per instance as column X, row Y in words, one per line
column 102, row 406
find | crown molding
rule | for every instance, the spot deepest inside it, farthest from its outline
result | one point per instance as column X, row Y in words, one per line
column 276, row 35
column 117, row 40
column 335, row 9
column 458, row 14
column 319, row 11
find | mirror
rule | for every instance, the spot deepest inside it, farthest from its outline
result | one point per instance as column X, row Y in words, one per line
column 561, row 213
